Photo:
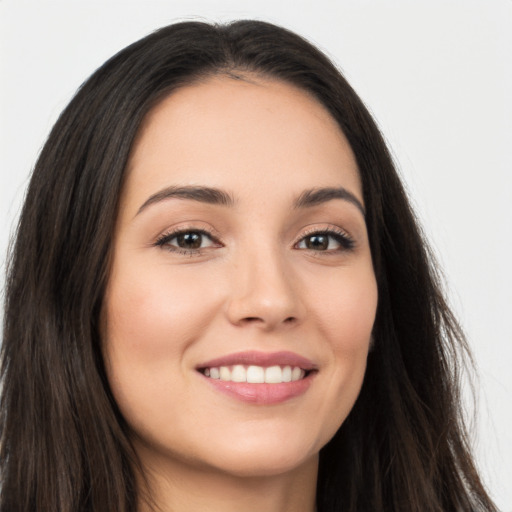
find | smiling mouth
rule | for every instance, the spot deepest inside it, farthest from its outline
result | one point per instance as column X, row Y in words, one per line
column 253, row 374
column 260, row 378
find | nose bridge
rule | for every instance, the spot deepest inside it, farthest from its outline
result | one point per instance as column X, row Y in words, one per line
column 263, row 290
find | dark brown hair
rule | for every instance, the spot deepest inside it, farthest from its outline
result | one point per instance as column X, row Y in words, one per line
column 64, row 445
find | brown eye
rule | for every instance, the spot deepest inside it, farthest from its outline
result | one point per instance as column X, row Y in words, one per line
column 326, row 241
column 317, row 242
column 189, row 240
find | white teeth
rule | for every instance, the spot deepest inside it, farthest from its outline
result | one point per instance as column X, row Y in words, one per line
column 256, row 374
column 273, row 375
column 238, row 374
column 296, row 373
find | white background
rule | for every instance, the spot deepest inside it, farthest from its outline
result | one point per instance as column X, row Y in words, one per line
column 437, row 75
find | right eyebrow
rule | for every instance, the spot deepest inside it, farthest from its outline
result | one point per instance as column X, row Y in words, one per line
column 209, row 195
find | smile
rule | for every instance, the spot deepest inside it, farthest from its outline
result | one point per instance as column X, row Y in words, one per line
column 255, row 374
column 260, row 378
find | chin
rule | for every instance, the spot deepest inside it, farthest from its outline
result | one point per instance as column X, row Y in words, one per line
column 261, row 455
column 255, row 465
column 264, row 454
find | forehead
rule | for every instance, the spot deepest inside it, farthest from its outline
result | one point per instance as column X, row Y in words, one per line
column 232, row 134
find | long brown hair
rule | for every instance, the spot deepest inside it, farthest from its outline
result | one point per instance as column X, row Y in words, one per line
column 63, row 443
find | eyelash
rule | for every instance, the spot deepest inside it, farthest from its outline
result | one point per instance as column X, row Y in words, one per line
column 163, row 241
column 345, row 242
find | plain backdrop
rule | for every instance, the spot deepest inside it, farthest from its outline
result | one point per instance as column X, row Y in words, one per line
column 437, row 76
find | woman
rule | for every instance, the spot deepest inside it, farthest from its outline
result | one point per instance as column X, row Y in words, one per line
column 219, row 297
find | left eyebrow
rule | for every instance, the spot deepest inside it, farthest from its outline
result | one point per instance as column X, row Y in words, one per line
column 317, row 196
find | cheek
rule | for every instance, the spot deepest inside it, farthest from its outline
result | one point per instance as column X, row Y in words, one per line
column 346, row 314
column 146, row 308
column 150, row 319
column 346, row 311
column 352, row 329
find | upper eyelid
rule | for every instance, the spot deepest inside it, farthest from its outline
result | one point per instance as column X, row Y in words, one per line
column 172, row 232
column 327, row 229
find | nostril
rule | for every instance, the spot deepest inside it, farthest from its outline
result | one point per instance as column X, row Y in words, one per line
column 256, row 319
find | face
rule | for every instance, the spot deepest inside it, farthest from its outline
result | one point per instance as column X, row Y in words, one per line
column 239, row 310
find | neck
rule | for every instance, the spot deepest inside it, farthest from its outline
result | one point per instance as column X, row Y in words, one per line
column 183, row 487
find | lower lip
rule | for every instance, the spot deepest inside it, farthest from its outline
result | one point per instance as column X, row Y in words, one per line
column 264, row 394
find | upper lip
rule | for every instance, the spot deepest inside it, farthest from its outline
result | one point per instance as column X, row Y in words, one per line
column 256, row 358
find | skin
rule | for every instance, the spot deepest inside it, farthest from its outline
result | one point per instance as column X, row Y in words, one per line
column 257, row 284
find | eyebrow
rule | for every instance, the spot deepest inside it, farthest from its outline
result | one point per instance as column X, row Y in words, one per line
column 318, row 196
column 207, row 195
column 210, row 195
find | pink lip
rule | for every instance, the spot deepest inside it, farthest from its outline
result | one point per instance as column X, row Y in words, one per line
column 263, row 394
column 264, row 359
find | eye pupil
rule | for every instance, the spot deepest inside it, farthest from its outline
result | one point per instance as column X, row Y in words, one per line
column 189, row 240
column 317, row 242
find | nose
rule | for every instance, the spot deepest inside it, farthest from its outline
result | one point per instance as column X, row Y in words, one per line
column 264, row 293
